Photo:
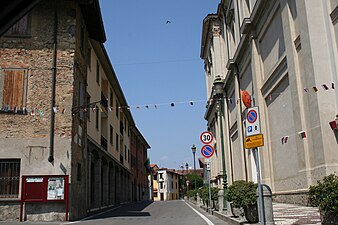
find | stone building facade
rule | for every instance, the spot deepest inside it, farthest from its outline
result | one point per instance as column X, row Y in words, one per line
column 90, row 142
column 284, row 54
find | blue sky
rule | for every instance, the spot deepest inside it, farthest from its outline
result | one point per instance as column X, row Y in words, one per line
column 158, row 63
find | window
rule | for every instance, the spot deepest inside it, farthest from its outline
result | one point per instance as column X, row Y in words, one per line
column 87, row 111
column 9, row 178
column 125, row 152
column 82, row 38
column 82, row 96
column 125, row 123
column 97, row 72
column 89, row 58
column 13, row 90
column 117, row 109
column 78, row 172
column 22, row 28
column 117, row 141
column 111, row 133
column 97, row 113
column 128, row 155
column 111, row 98
column 121, row 128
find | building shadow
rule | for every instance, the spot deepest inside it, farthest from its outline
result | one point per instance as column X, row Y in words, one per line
column 134, row 209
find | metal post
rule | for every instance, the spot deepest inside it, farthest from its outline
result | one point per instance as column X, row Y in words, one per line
column 260, row 193
column 52, row 102
column 195, row 168
column 225, row 183
column 209, row 176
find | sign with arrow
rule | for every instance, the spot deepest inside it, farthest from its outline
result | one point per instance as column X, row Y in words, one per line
column 254, row 141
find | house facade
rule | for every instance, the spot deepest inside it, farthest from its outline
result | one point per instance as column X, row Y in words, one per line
column 63, row 114
column 167, row 185
column 285, row 58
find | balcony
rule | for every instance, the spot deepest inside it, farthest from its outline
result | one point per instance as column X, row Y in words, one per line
column 104, row 143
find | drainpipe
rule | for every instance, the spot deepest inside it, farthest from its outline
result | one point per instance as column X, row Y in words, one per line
column 52, row 103
column 240, row 128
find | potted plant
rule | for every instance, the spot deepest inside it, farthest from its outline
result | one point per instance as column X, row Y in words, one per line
column 242, row 194
column 324, row 195
column 204, row 193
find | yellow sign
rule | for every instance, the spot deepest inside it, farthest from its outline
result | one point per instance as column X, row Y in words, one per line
column 254, row 141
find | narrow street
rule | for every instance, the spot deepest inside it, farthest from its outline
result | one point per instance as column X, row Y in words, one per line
column 152, row 213
column 176, row 212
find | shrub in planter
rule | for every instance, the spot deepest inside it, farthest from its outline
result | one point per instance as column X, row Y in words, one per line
column 204, row 193
column 324, row 195
column 242, row 194
column 192, row 194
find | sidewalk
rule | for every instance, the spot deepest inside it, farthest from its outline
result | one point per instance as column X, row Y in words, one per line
column 284, row 214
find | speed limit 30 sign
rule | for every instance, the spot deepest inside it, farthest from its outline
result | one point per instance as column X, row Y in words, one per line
column 206, row 137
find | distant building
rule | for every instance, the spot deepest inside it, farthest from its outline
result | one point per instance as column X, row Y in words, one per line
column 154, row 168
column 166, row 185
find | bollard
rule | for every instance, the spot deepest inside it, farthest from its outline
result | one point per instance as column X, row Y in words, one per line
column 268, row 209
column 220, row 200
column 198, row 201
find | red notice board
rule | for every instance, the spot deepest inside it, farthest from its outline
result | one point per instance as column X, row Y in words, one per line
column 44, row 188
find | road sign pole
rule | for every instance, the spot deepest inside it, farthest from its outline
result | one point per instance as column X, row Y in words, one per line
column 209, row 183
column 260, row 193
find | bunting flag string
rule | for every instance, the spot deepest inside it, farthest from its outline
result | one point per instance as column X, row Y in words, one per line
column 94, row 106
column 301, row 134
column 313, row 89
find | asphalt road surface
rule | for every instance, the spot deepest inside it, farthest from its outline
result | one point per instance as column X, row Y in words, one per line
column 176, row 212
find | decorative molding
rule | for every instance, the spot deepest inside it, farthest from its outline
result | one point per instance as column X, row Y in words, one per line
column 216, row 31
column 246, row 26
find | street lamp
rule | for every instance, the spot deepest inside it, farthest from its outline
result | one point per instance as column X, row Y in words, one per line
column 218, row 96
column 193, row 149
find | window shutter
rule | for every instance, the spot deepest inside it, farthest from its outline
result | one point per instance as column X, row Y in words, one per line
column 13, row 90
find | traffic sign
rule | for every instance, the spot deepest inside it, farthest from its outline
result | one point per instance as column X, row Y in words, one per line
column 252, row 122
column 254, row 141
column 206, row 137
column 207, row 151
column 252, row 116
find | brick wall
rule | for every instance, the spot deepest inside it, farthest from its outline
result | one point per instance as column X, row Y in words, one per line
column 28, row 132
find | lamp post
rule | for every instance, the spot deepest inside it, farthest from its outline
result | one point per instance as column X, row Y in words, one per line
column 218, row 96
column 193, row 149
column 186, row 176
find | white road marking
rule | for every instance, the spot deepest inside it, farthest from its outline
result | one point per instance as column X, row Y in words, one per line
column 201, row 215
